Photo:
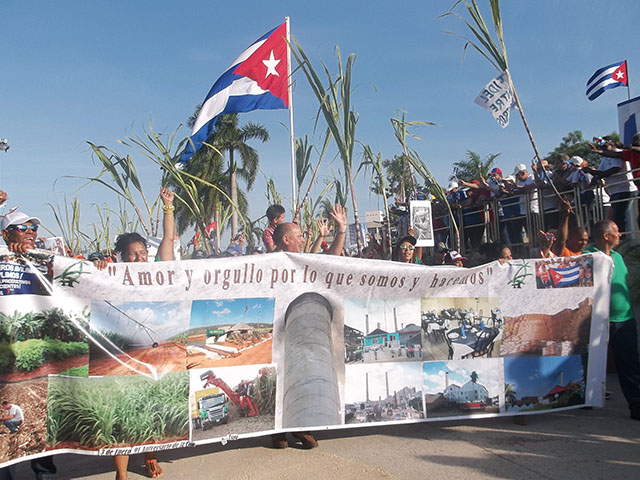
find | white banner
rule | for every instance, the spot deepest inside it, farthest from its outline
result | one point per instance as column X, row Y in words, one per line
column 498, row 98
column 150, row 356
column 628, row 119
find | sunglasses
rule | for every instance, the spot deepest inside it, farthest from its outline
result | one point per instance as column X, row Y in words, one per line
column 23, row 228
column 405, row 247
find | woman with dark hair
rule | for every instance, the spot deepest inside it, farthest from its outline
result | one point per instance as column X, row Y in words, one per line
column 133, row 248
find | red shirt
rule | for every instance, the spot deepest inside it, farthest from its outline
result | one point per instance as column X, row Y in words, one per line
column 267, row 236
column 633, row 158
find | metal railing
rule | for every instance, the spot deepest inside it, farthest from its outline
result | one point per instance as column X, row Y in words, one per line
column 497, row 220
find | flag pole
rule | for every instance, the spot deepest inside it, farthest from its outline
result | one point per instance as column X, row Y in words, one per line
column 626, row 67
column 292, row 137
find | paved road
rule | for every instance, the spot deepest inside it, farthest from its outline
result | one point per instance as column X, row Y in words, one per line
column 577, row 444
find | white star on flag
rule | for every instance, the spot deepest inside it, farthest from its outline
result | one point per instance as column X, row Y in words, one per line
column 620, row 75
column 271, row 65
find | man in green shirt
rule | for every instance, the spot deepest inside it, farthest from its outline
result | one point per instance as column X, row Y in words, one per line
column 623, row 334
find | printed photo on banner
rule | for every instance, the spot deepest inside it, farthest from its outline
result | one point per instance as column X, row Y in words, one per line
column 230, row 332
column 138, row 338
column 563, row 272
column 36, row 343
column 382, row 392
column 420, row 211
column 101, row 412
column 231, row 401
column 25, row 432
column 542, row 383
column 463, row 387
column 461, row 327
column 565, row 332
column 382, row 330
column 25, row 274
column 54, row 245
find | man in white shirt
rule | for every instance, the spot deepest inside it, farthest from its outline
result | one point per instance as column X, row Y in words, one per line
column 618, row 184
column 13, row 417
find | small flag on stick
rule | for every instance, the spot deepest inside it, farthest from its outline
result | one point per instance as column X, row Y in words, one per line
column 611, row 76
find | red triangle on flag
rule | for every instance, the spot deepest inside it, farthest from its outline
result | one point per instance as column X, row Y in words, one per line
column 267, row 66
column 555, row 276
column 620, row 74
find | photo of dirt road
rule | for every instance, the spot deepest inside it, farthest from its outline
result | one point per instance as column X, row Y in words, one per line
column 230, row 332
column 31, row 396
column 138, row 337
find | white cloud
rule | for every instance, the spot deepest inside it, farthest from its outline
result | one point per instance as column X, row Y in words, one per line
column 220, row 313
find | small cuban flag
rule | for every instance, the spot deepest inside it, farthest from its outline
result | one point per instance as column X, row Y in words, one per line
column 563, row 277
column 611, row 76
column 256, row 80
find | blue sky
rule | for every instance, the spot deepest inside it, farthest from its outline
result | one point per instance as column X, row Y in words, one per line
column 76, row 71
column 489, row 374
column 156, row 321
column 536, row 376
column 229, row 312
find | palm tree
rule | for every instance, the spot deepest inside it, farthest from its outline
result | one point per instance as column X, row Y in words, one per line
column 474, row 377
column 208, row 165
column 398, row 175
column 510, row 394
column 474, row 167
column 230, row 138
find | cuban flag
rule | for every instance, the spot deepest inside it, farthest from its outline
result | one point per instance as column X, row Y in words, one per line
column 562, row 277
column 257, row 79
column 611, row 76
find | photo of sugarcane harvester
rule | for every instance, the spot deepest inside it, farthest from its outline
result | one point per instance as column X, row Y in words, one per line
column 213, row 406
column 231, row 400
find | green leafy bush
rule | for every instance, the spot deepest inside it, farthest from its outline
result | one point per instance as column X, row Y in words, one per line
column 31, row 354
column 7, row 357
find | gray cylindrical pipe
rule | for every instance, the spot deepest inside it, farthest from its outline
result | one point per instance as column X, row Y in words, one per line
column 311, row 395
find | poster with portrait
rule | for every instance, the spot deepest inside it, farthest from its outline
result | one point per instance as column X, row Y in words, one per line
column 420, row 211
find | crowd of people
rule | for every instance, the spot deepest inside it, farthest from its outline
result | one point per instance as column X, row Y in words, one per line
column 513, row 208
column 503, row 201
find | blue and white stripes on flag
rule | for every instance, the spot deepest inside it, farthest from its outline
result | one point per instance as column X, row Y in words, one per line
column 565, row 276
column 611, row 76
column 257, row 79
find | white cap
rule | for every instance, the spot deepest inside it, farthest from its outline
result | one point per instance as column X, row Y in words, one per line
column 452, row 184
column 521, row 167
column 576, row 160
column 17, row 218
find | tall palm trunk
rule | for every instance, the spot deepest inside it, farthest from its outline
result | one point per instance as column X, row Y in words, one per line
column 234, row 195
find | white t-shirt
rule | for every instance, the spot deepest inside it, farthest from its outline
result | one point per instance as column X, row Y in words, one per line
column 618, row 182
column 533, row 196
column 16, row 411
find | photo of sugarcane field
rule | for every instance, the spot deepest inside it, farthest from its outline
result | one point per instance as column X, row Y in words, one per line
column 382, row 392
column 230, row 332
column 38, row 343
column 232, row 400
column 101, row 412
column 382, row 330
column 138, row 337
column 28, row 437
column 543, row 383
column 463, row 387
